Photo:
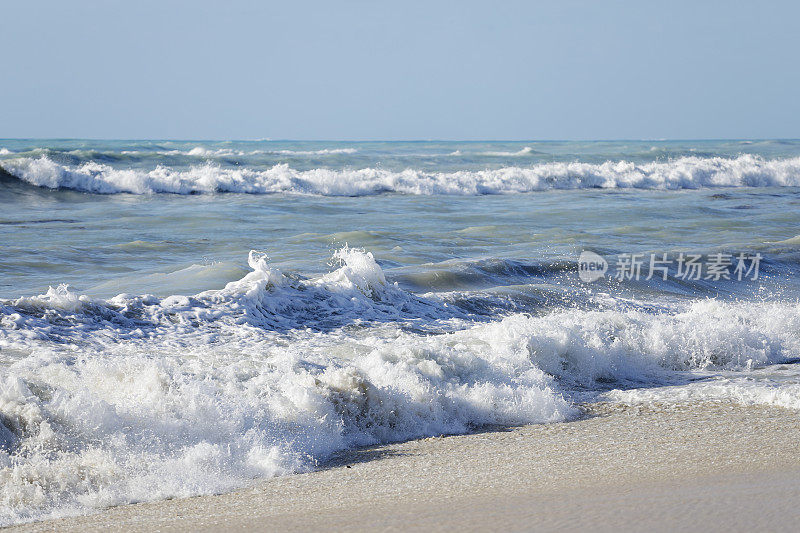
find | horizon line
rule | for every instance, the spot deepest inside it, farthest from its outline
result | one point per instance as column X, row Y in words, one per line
column 177, row 139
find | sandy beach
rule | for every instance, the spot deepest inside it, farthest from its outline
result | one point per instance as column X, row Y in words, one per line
column 697, row 467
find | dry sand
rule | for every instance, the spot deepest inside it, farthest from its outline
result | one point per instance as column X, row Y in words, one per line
column 700, row 467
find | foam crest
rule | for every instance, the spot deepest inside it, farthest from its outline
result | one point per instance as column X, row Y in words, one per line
column 682, row 173
column 523, row 152
column 265, row 298
column 201, row 151
column 584, row 347
column 358, row 270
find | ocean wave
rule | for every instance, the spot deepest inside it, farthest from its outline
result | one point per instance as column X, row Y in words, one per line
column 742, row 391
column 682, row 173
column 519, row 153
column 80, row 156
column 139, row 398
column 523, row 152
column 324, row 151
column 210, row 152
column 266, row 299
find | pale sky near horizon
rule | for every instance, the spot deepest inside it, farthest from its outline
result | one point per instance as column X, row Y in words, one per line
column 411, row 70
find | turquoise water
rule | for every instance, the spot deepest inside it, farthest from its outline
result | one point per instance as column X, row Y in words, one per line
column 165, row 244
column 100, row 244
column 180, row 318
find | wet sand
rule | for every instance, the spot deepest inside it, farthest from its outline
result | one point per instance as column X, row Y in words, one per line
column 696, row 467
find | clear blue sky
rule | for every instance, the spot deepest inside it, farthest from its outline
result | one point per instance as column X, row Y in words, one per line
column 399, row 70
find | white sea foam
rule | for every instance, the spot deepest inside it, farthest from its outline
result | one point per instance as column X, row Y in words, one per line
column 205, row 152
column 497, row 153
column 683, row 173
column 742, row 391
column 210, row 152
column 524, row 151
column 324, row 151
column 139, row 398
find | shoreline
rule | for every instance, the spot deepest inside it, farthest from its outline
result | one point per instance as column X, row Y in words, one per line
column 698, row 466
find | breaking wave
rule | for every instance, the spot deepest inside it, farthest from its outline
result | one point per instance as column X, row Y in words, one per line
column 139, row 398
column 522, row 152
column 223, row 152
column 682, row 173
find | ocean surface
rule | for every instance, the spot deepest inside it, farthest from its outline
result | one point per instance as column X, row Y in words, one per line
column 182, row 318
